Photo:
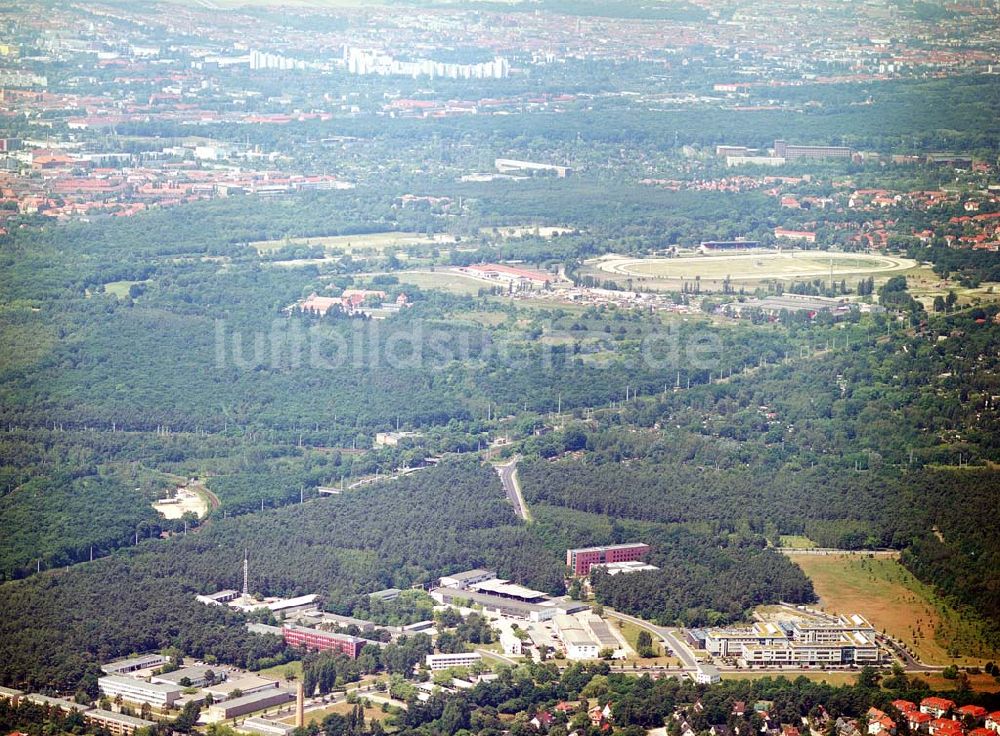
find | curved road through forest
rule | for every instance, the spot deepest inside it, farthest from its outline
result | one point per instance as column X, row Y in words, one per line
column 508, row 477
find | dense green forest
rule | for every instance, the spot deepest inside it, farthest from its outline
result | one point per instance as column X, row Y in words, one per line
column 703, row 580
column 113, row 393
column 851, row 450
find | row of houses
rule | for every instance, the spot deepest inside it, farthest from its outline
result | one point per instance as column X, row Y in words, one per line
column 937, row 716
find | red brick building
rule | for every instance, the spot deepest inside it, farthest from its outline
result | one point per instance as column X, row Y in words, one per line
column 580, row 560
column 302, row 636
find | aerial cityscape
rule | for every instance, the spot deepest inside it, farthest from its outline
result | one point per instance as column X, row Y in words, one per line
column 500, row 368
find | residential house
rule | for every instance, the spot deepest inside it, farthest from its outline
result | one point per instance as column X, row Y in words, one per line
column 542, row 720
column 945, row 727
column 847, row 727
column 918, row 721
column 879, row 723
column 993, row 721
column 971, row 714
column 936, row 707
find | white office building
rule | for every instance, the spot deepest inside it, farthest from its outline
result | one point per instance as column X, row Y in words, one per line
column 576, row 638
column 139, row 691
column 706, row 674
column 458, row 659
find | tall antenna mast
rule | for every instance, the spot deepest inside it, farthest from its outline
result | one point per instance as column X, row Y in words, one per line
column 246, row 573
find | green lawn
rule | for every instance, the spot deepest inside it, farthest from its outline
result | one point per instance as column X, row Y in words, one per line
column 280, row 671
column 352, row 243
column 631, row 633
column 120, row 288
column 794, row 541
column 831, row 678
column 450, row 281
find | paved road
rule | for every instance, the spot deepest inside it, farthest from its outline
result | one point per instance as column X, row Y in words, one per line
column 508, row 476
column 671, row 636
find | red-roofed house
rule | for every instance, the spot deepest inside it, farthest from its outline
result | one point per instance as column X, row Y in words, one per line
column 918, row 721
column 542, row 720
column 936, row 707
column 46, row 159
column 353, row 299
column 879, row 722
column 971, row 713
column 945, row 727
column 981, row 731
column 993, row 721
column 320, row 304
column 904, row 706
column 806, row 235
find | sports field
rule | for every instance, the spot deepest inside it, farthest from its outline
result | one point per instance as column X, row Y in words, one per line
column 747, row 267
column 885, row 592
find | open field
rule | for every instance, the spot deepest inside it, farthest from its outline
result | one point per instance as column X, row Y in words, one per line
column 377, row 242
column 924, row 285
column 121, row 288
column 317, row 716
column 981, row 683
column 279, row 671
column 831, row 678
column 451, row 281
column 486, row 319
column 746, row 269
column 193, row 498
column 895, row 602
column 793, row 541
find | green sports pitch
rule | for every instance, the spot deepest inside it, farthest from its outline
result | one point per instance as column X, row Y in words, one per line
column 787, row 266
